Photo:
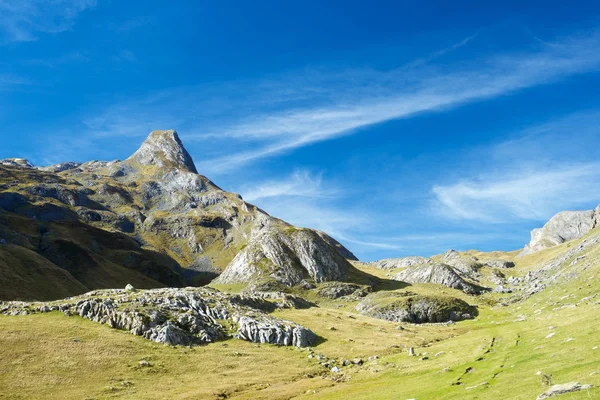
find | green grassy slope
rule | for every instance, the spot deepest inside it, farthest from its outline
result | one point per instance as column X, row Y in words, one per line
column 504, row 353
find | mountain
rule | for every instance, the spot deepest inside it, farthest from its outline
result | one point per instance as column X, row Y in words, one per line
column 420, row 332
column 151, row 221
column 564, row 226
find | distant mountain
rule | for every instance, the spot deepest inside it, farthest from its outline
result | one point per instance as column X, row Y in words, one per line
column 151, row 221
column 564, row 226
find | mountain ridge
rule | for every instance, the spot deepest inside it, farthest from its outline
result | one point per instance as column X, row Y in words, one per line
column 177, row 220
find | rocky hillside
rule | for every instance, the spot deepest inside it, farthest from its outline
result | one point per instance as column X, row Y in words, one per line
column 564, row 226
column 151, row 221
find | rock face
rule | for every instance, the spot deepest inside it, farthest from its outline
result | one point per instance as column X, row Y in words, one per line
column 189, row 316
column 393, row 263
column 285, row 254
column 464, row 263
column 335, row 290
column 433, row 272
column 564, row 226
column 163, row 149
column 402, row 307
column 152, row 221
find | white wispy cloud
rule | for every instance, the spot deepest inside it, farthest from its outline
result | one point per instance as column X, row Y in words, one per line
column 401, row 93
column 301, row 183
column 24, row 20
column 530, row 195
column 239, row 122
column 541, row 170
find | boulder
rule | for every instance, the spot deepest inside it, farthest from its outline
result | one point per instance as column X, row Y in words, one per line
column 404, row 307
column 556, row 390
column 499, row 264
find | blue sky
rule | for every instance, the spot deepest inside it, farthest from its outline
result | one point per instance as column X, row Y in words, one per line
column 399, row 128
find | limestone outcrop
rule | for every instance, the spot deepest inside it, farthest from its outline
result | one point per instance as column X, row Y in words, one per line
column 406, row 307
column 189, row 316
column 434, row 272
column 562, row 227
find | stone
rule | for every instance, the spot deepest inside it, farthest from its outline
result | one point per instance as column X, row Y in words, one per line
column 190, row 316
column 503, row 264
column 335, row 290
column 562, row 227
column 286, row 255
column 464, row 263
column 16, row 162
column 556, row 390
column 395, row 263
column 129, row 287
column 400, row 307
column 162, row 149
column 335, row 369
column 438, row 273
column 65, row 166
column 265, row 329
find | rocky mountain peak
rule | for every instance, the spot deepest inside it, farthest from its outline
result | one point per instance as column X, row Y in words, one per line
column 163, row 149
column 562, row 227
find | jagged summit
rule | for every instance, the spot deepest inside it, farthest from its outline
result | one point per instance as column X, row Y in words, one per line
column 163, row 149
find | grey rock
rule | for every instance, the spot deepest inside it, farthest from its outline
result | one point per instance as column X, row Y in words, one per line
column 265, row 329
column 285, row 254
column 335, row 290
column 129, row 287
column 16, row 162
column 564, row 226
column 58, row 192
column 65, row 166
column 163, row 149
column 556, row 390
column 189, row 316
column 464, row 263
column 393, row 263
column 442, row 274
column 499, row 264
column 400, row 307
column 502, row 289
